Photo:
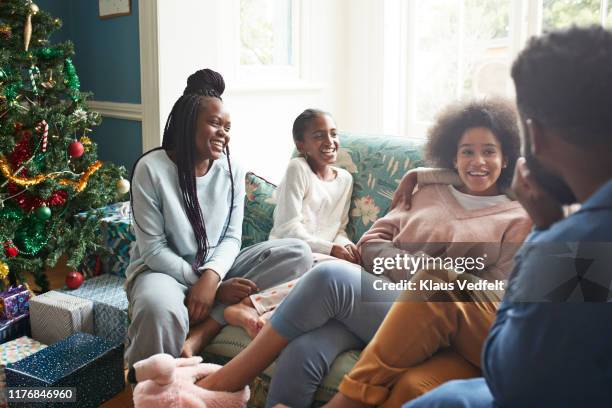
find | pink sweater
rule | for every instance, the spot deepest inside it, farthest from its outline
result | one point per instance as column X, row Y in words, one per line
column 437, row 217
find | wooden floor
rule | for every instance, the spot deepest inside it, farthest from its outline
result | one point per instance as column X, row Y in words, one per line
column 56, row 280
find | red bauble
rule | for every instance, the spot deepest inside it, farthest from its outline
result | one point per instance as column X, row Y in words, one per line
column 76, row 149
column 74, row 279
column 11, row 251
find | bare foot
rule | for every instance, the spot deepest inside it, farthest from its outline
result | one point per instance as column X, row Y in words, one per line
column 199, row 336
column 188, row 348
column 244, row 316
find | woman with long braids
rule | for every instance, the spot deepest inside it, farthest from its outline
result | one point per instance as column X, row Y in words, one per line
column 187, row 201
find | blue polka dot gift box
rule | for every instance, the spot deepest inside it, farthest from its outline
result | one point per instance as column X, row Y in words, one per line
column 90, row 364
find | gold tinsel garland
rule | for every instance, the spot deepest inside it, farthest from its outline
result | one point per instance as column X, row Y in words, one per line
column 31, row 181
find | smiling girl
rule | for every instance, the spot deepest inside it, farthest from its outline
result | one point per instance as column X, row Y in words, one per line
column 313, row 202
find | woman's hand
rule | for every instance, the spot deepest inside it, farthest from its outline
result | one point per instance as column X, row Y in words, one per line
column 201, row 296
column 542, row 207
column 402, row 198
column 234, row 290
column 354, row 252
column 340, row 252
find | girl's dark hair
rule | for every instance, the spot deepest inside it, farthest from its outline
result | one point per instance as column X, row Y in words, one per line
column 303, row 119
column 179, row 137
column 496, row 114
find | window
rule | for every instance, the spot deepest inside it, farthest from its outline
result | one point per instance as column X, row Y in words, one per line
column 268, row 32
column 564, row 13
column 464, row 48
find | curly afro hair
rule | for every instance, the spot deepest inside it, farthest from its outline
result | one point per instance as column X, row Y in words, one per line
column 496, row 114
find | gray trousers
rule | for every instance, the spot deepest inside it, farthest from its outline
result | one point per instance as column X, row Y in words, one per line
column 159, row 318
column 323, row 316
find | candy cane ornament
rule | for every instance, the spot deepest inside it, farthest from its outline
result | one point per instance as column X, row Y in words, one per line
column 43, row 127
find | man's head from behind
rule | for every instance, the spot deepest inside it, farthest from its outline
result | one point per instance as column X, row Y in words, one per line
column 563, row 83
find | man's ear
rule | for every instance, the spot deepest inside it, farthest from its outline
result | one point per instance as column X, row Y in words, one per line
column 537, row 136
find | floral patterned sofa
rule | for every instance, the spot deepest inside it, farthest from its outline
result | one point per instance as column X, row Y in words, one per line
column 377, row 164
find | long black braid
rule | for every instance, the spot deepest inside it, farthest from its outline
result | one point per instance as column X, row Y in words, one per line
column 179, row 137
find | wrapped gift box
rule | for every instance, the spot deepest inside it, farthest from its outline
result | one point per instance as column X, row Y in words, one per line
column 55, row 315
column 110, row 305
column 115, row 227
column 91, row 364
column 11, row 329
column 12, row 352
column 14, row 302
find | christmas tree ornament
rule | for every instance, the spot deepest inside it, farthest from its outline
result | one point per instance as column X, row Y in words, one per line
column 50, row 82
column 76, row 149
column 74, row 279
column 123, row 186
column 43, row 128
column 33, row 72
column 49, row 53
column 5, row 31
column 10, row 250
column 27, row 27
column 71, row 78
column 85, row 140
column 4, row 270
column 43, row 213
column 58, row 197
column 80, row 114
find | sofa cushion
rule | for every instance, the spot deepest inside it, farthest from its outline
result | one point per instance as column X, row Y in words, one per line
column 377, row 164
column 232, row 340
column 258, row 210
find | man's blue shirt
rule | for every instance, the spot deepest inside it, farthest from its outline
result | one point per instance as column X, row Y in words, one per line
column 557, row 353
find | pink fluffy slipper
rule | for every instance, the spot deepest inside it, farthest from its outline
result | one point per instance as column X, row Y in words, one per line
column 166, row 382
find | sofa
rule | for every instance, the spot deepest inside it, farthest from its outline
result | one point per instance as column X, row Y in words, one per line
column 377, row 164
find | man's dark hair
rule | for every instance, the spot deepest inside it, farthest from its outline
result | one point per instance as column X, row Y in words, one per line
column 496, row 114
column 563, row 81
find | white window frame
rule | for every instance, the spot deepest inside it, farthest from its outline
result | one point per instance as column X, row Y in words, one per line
column 400, row 117
column 273, row 73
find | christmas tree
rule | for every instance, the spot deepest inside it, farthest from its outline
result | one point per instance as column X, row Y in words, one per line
column 48, row 165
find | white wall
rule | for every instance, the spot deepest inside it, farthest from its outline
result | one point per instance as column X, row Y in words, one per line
column 204, row 34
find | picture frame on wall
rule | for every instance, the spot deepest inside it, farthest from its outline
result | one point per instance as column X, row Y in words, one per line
column 114, row 8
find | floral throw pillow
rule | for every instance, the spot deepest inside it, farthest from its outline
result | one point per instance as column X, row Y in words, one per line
column 377, row 164
column 258, row 210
